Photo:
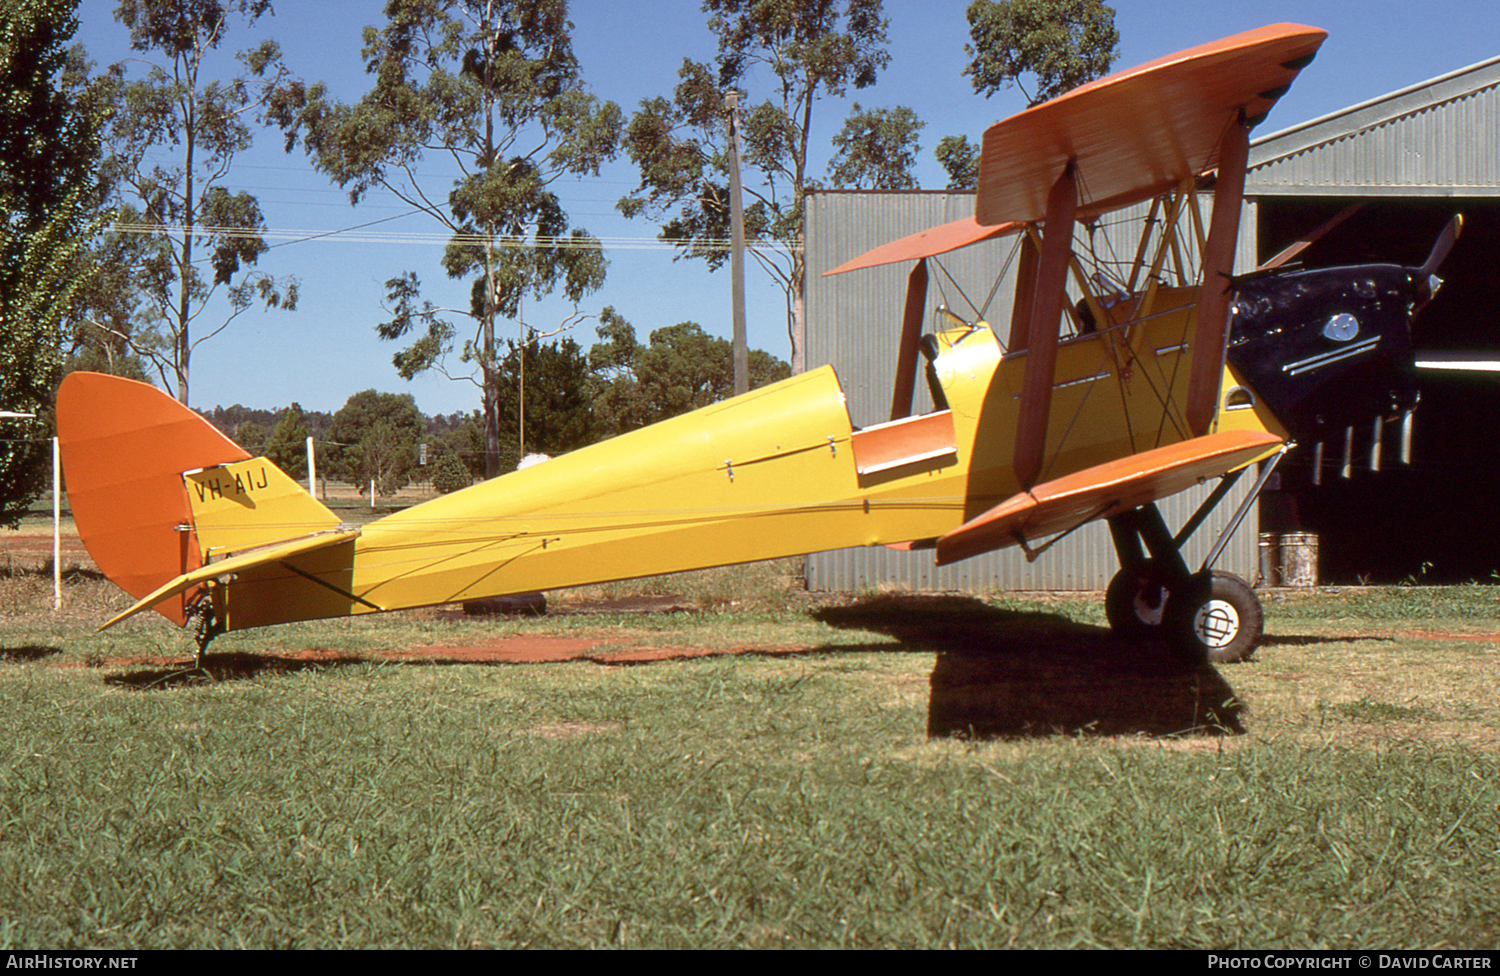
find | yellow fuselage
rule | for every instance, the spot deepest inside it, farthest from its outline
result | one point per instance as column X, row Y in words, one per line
column 776, row 472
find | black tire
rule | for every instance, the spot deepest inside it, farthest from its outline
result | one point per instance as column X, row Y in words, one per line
column 1135, row 601
column 1215, row 618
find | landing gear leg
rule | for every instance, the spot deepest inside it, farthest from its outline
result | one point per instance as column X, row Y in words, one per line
column 1204, row 616
column 206, row 625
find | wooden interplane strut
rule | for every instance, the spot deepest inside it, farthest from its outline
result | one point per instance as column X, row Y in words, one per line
column 1046, row 306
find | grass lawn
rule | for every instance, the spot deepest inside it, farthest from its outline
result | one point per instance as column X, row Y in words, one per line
column 900, row 772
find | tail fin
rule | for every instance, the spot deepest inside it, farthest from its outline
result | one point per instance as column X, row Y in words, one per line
column 154, row 487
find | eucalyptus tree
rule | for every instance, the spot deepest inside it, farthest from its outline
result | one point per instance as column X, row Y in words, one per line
column 477, row 107
column 1061, row 44
column 682, row 368
column 877, row 149
column 806, row 50
column 960, row 160
column 171, row 140
column 48, row 148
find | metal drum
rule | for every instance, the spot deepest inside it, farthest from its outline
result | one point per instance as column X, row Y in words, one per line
column 1270, row 559
column 1299, row 559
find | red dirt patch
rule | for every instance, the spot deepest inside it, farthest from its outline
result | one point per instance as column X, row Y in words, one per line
column 515, row 650
column 1449, row 635
column 500, row 651
column 550, row 650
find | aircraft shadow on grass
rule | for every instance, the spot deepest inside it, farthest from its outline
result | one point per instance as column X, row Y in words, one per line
column 1305, row 640
column 998, row 673
column 27, row 653
column 1005, row 673
column 228, row 666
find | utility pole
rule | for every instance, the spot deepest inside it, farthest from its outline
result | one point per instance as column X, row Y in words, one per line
column 737, row 250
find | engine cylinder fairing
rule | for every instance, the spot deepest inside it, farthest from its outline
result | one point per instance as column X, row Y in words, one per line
column 1331, row 348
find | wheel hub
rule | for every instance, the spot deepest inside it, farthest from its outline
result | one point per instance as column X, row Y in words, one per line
column 1147, row 612
column 1216, row 623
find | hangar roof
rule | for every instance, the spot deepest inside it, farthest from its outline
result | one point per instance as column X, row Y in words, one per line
column 1437, row 138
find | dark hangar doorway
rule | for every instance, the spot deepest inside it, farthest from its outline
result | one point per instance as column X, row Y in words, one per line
column 1437, row 520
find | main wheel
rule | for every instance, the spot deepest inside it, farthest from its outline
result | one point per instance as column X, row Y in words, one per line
column 1216, row 618
column 1135, row 600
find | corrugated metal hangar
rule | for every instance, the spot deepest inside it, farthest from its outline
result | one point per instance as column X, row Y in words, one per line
column 1411, row 160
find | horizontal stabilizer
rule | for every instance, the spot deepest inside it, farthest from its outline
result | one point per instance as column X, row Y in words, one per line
column 1104, row 490
column 245, row 504
column 243, row 562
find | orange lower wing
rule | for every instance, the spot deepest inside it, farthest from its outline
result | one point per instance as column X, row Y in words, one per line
column 1104, row 490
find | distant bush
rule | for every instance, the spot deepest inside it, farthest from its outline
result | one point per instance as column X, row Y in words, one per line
column 451, row 474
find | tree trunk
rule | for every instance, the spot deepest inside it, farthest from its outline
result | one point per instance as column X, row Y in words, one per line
column 184, row 271
column 797, row 327
column 491, row 424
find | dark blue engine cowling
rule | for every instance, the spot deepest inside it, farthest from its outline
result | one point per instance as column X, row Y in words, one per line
column 1328, row 349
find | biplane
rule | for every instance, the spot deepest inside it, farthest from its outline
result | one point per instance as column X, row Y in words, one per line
column 1093, row 407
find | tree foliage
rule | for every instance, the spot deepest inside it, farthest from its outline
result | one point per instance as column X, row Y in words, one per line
column 1060, row 43
column 373, row 438
column 555, row 413
column 459, row 435
column 494, row 87
column 48, row 145
column 451, row 474
column 877, row 150
column 250, row 435
column 681, row 369
column 286, row 445
column 172, row 216
column 960, row 159
column 806, row 50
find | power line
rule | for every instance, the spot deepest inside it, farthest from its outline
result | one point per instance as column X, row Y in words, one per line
column 358, row 235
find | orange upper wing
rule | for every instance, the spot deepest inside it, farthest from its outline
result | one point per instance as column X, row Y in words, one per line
column 1134, row 134
column 926, row 243
column 1138, row 132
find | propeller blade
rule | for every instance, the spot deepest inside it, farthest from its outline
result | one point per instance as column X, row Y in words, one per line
column 1443, row 245
column 1310, row 238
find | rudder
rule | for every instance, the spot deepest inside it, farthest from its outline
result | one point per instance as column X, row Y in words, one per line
column 126, row 448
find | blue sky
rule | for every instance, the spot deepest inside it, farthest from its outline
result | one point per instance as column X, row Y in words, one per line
column 327, row 350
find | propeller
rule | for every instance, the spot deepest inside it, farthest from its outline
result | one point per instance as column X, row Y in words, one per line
column 1308, row 239
column 1443, row 245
